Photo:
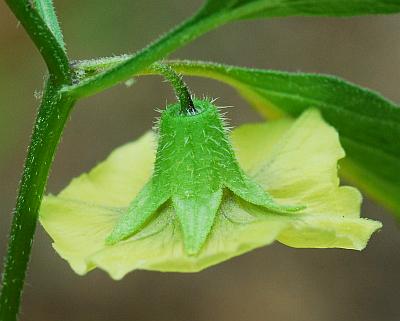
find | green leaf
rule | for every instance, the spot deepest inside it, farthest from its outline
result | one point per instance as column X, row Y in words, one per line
column 47, row 12
column 368, row 124
column 250, row 9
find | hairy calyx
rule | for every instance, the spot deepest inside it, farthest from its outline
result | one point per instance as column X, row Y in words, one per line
column 194, row 163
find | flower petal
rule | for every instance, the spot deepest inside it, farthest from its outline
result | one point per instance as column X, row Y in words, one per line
column 79, row 229
column 254, row 142
column 324, row 231
column 119, row 178
column 302, row 167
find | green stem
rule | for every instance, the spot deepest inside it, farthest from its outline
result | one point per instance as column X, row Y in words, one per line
column 123, row 71
column 48, row 13
column 128, row 66
column 50, row 121
column 189, row 67
column 51, row 51
column 181, row 90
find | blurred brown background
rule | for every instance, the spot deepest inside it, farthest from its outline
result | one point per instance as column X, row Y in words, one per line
column 272, row 283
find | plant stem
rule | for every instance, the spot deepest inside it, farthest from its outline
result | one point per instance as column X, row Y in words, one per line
column 181, row 90
column 48, row 13
column 176, row 38
column 48, row 46
column 50, row 121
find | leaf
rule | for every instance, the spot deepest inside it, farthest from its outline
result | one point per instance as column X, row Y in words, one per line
column 250, row 9
column 47, row 12
column 368, row 124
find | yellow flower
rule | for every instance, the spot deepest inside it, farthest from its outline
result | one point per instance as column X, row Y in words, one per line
column 294, row 160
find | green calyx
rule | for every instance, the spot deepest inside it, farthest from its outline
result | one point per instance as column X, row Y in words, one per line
column 194, row 163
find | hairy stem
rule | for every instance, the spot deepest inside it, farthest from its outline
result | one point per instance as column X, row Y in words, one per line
column 176, row 38
column 181, row 90
column 50, row 122
column 47, row 11
column 47, row 44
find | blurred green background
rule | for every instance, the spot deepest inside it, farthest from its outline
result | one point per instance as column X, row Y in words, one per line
column 272, row 283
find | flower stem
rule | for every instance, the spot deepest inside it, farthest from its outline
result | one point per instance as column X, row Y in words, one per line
column 50, row 121
column 181, row 90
